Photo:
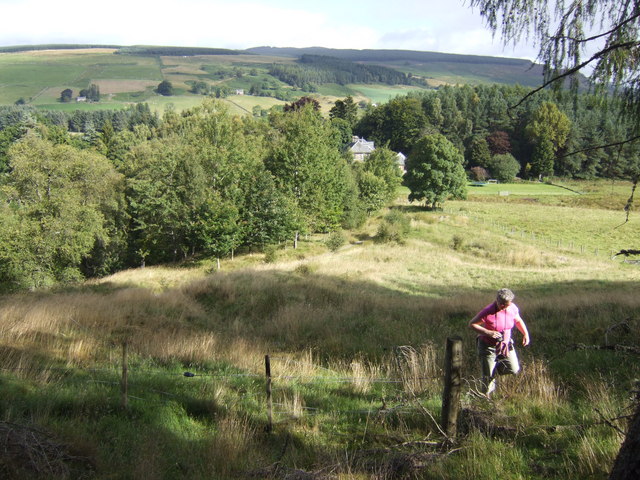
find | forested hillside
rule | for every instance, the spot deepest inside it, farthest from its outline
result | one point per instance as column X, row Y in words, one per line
column 548, row 135
column 318, row 69
column 438, row 68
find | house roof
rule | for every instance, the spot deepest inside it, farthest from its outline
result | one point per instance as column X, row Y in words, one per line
column 360, row 145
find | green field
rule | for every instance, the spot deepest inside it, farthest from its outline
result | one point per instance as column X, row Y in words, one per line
column 40, row 76
column 355, row 340
column 381, row 93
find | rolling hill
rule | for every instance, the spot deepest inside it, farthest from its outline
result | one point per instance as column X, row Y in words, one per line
column 247, row 79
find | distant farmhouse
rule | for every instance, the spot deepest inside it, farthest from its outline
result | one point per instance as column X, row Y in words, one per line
column 361, row 149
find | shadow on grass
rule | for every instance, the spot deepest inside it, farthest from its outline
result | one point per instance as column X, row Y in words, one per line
column 174, row 430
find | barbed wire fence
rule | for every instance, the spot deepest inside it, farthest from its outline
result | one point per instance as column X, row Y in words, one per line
column 280, row 397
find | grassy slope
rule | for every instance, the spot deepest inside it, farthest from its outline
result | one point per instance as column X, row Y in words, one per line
column 333, row 323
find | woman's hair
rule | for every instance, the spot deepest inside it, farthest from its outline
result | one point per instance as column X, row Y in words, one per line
column 505, row 295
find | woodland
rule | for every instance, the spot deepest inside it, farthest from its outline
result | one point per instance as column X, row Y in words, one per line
column 88, row 193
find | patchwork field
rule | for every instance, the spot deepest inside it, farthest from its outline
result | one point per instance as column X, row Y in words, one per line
column 39, row 77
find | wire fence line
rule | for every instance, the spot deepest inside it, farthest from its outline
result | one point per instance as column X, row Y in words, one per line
column 539, row 237
column 285, row 386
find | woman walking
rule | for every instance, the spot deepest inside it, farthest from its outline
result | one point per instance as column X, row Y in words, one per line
column 495, row 345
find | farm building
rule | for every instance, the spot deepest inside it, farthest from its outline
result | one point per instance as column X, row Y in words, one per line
column 361, row 148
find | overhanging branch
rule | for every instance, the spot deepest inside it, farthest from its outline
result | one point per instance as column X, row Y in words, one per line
column 600, row 35
column 598, row 147
column 577, row 68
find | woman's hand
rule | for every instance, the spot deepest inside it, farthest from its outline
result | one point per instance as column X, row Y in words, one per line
column 525, row 340
column 494, row 334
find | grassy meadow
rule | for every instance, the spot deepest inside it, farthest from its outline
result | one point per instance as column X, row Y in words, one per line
column 356, row 340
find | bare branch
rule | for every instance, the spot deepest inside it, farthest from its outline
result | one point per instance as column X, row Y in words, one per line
column 576, row 68
column 597, row 147
column 627, row 207
column 600, row 35
column 609, row 423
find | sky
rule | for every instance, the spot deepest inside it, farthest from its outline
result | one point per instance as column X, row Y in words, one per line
column 427, row 25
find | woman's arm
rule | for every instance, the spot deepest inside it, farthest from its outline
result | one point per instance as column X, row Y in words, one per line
column 520, row 325
column 476, row 324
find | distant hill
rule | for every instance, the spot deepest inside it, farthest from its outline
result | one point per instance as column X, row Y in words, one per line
column 442, row 68
column 252, row 79
column 369, row 55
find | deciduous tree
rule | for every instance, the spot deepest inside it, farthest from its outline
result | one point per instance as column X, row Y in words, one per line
column 435, row 171
column 59, row 199
column 307, row 164
column 165, row 88
column 66, row 95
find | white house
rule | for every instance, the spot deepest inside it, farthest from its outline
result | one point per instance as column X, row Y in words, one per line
column 400, row 159
column 361, row 148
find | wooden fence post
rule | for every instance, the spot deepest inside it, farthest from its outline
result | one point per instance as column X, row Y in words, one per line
column 124, row 384
column 452, row 384
column 267, row 365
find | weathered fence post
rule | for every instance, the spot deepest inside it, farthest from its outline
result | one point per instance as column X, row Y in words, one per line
column 452, row 383
column 267, row 365
column 124, row 384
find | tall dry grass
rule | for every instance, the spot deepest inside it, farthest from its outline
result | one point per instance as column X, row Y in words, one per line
column 367, row 314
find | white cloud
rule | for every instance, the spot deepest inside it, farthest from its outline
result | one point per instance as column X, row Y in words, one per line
column 407, row 24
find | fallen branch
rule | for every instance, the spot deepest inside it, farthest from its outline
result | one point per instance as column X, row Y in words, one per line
column 610, row 424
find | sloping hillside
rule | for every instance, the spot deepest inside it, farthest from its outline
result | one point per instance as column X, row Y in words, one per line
column 435, row 66
column 248, row 80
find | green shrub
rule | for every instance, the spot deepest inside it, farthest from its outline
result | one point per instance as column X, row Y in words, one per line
column 458, row 242
column 270, row 254
column 504, row 167
column 395, row 227
column 335, row 241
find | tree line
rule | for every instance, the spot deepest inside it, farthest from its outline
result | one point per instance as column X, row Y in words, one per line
column 312, row 70
column 174, row 51
column 552, row 133
column 160, row 189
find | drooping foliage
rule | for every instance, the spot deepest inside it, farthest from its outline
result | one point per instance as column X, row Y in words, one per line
column 572, row 34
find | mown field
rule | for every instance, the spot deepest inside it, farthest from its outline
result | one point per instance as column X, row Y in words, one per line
column 355, row 339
